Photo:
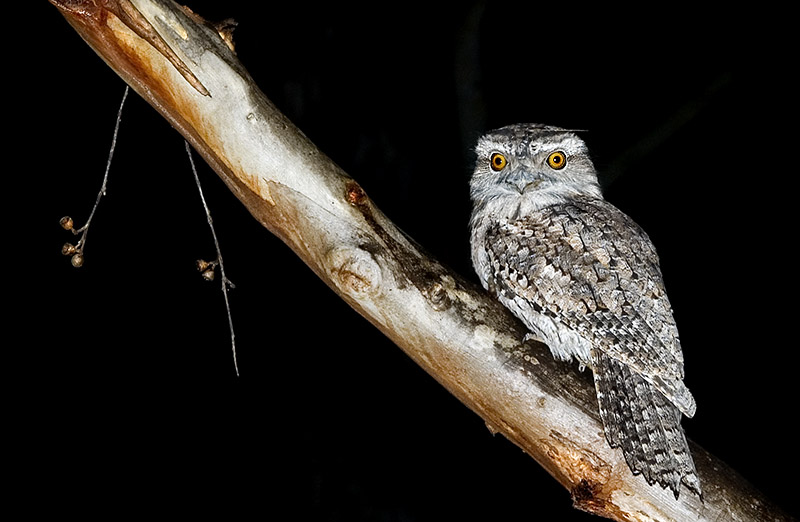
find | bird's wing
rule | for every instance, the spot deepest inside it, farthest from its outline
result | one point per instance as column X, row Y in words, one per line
column 587, row 265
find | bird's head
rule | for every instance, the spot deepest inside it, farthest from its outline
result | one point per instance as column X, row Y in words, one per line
column 528, row 166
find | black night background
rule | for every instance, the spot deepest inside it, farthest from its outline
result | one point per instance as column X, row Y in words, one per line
column 124, row 400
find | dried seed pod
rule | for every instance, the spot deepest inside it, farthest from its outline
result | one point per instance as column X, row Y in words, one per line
column 202, row 265
column 68, row 249
column 208, row 275
column 77, row 260
column 66, row 223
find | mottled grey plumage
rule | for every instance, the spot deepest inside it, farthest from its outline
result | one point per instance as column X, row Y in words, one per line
column 585, row 279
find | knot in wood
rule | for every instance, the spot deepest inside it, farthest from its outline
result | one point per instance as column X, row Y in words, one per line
column 436, row 294
column 354, row 271
column 355, row 194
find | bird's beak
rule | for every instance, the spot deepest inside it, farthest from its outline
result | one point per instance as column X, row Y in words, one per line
column 522, row 180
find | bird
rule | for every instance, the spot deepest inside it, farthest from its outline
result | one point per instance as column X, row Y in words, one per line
column 586, row 281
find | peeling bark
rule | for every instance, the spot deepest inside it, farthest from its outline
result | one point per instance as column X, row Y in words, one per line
column 188, row 71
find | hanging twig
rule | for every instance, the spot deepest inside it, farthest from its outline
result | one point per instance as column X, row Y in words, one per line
column 206, row 267
column 76, row 251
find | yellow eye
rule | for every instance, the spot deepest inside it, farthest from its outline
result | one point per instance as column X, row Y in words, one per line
column 557, row 160
column 498, row 161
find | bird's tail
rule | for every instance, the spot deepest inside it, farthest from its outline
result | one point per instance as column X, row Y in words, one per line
column 642, row 422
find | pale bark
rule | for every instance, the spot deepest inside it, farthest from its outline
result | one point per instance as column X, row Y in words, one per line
column 185, row 68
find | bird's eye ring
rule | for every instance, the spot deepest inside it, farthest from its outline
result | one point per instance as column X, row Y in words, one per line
column 498, row 161
column 557, row 160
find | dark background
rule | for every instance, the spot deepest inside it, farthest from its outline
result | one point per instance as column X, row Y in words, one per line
column 125, row 399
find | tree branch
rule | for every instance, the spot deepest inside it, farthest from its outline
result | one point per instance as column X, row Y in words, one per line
column 187, row 69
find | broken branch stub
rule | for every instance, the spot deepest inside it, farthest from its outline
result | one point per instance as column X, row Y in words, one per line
column 186, row 69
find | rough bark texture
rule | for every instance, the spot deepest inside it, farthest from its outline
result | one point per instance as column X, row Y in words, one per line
column 187, row 69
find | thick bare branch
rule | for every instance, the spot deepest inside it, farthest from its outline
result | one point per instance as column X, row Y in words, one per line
column 187, row 70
